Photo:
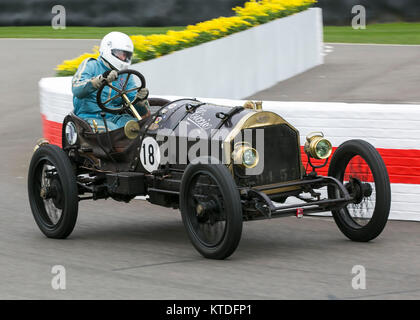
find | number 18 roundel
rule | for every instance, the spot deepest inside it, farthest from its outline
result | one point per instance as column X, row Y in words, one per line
column 150, row 154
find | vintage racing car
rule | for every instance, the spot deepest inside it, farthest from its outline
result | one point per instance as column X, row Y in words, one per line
column 254, row 170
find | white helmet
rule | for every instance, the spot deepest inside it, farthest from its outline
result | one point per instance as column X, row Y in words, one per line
column 116, row 49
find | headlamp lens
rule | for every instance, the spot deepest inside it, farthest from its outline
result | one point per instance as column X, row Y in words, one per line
column 323, row 149
column 249, row 157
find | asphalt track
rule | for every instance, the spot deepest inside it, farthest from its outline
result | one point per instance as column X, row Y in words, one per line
column 140, row 251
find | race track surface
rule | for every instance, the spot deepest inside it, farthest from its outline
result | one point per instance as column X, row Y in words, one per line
column 356, row 73
column 140, row 251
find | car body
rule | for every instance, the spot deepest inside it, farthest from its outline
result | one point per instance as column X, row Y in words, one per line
column 220, row 165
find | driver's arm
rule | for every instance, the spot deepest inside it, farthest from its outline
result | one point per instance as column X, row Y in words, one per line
column 85, row 81
column 82, row 81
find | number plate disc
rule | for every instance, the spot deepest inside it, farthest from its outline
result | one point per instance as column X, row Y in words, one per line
column 150, row 154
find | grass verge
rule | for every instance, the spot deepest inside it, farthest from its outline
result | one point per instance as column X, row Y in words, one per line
column 77, row 32
column 387, row 33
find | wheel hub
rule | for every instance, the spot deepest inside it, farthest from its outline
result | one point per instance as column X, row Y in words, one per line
column 367, row 189
column 205, row 210
column 44, row 193
column 358, row 189
column 57, row 194
column 54, row 192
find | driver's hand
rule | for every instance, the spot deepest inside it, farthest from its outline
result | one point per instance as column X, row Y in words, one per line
column 142, row 94
column 109, row 76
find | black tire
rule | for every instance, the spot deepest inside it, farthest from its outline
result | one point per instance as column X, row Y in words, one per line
column 52, row 161
column 359, row 162
column 226, row 211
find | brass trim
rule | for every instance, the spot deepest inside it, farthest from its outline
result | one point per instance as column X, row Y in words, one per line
column 95, row 126
column 256, row 106
column 133, row 110
column 131, row 129
column 258, row 119
column 279, row 189
column 249, row 105
column 254, row 120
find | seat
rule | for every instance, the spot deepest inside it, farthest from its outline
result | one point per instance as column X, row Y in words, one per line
column 115, row 142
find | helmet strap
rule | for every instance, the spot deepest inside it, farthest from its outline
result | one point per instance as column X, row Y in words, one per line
column 107, row 64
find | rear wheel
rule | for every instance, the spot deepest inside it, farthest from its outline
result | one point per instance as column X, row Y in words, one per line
column 211, row 210
column 359, row 166
column 53, row 194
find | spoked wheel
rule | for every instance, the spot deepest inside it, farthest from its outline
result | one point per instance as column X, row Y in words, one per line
column 211, row 210
column 53, row 194
column 359, row 166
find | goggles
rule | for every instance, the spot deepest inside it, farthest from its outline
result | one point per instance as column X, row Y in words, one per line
column 122, row 55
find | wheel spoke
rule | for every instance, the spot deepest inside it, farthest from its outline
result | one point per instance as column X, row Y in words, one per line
column 359, row 173
column 132, row 89
column 111, row 99
column 52, row 212
column 126, row 81
column 115, row 88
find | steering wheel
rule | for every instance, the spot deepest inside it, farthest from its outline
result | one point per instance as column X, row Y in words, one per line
column 121, row 93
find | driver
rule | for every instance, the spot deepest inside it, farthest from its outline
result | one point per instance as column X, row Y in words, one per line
column 115, row 51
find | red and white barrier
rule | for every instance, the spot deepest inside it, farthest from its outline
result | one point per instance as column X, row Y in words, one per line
column 393, row 129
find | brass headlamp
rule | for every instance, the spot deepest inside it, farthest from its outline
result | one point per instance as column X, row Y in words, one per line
column 316, row 146
column 245, row 155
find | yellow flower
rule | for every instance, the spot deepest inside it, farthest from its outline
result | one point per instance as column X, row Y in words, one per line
column 140, row 43
column 218, row 26
column 70, row 65
column 182, row 37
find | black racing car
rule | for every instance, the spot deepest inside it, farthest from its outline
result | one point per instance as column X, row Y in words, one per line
column 219, row 165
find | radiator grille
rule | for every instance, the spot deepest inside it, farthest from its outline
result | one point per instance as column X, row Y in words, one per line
column 281, row 158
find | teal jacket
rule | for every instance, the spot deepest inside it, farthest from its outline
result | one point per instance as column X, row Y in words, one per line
column 84, row 94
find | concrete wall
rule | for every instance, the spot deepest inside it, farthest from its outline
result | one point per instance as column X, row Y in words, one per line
column 392, row 129
column 243, row 63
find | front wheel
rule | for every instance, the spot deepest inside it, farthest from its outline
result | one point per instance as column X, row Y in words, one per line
column 359, row 166
column 211, row 210
column 53, row 193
